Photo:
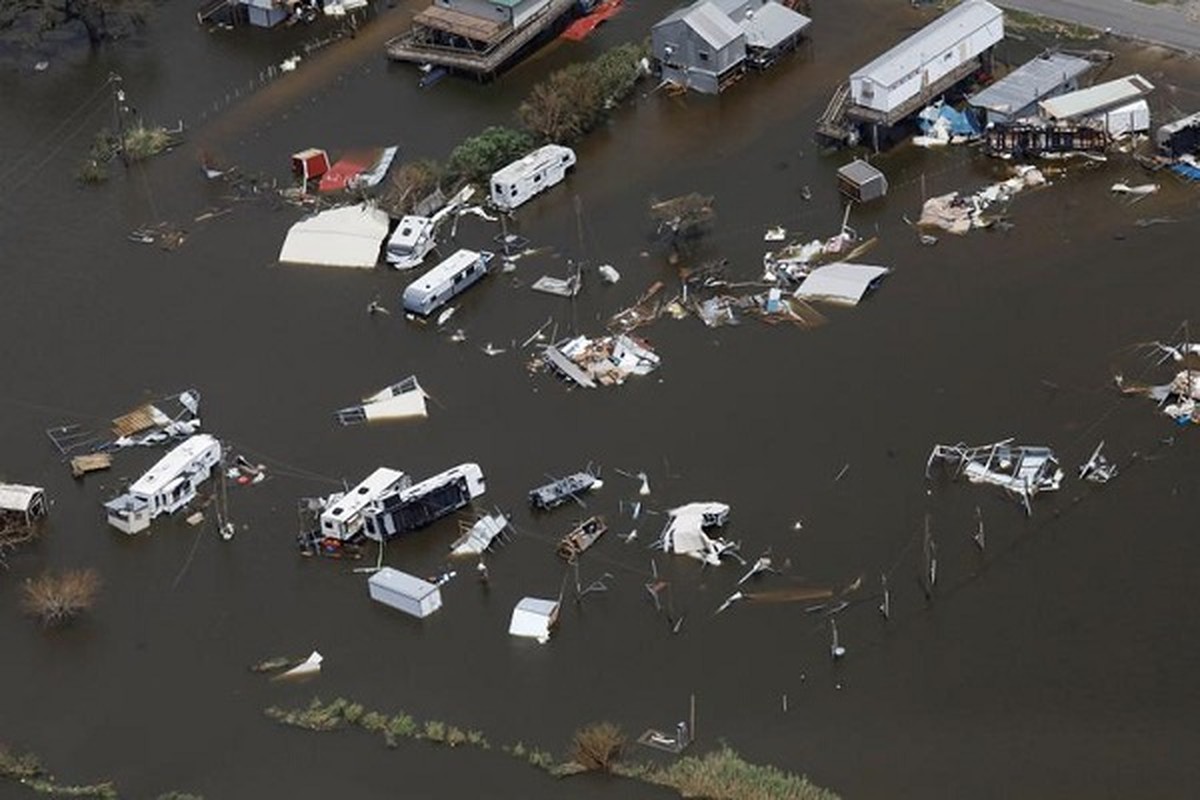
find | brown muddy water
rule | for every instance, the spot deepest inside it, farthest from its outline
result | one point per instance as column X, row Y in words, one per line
column 1060, row 663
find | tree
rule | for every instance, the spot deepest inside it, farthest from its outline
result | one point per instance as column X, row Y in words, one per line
column 98, row 17
column 478, row 157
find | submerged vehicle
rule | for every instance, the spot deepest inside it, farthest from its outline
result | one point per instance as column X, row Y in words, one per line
column 1022, row 470
column 559, row 491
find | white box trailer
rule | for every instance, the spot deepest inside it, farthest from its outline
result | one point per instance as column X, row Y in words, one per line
column 530, row 175
column 454, row 275
column 404, row 592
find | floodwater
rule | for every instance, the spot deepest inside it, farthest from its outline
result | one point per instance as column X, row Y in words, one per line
column 1059, row 663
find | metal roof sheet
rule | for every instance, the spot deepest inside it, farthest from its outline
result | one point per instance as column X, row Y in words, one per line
column 1030, row 82
column 840, row 282
column 349, row 236
column 770, row 25
column 1097, row 98
column 935, row 38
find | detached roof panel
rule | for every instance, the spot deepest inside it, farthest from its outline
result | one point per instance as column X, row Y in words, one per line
column 341, row 237
column 1030, row 82
column 840, row 283
column 1097, row 98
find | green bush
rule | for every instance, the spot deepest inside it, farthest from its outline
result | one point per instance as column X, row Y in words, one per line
column 481, row 155
column 576, row 99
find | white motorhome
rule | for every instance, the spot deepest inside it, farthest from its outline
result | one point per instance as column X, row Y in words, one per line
column 167, row 486
column 423, row 503
column 411, row 242
column 436, row 287
column 343, row 515
column 534, row 173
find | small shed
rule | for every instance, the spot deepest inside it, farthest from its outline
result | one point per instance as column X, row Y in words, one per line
column 310, row 164
column 21, row 504
column 860, row 181
column 534, row 617
column 404, row 592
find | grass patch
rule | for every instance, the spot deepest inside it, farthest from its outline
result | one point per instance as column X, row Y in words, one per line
column 1032, row 23
column 724, row 775
column 597, row 747
column 27, row 770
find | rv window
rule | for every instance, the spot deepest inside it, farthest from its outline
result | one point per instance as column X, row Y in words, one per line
column 514, row 191
column 565, row 159
column 537, row 178
column 328, row 524
column 500, row 188
column 363, row 490
column 406, row 232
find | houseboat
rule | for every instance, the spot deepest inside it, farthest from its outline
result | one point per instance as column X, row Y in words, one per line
column 411, row 242
column 423, row 503
column 445, row 281
column 167, row 486
column 526, row 177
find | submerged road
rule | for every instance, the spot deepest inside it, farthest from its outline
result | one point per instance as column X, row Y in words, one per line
column 1158, row 24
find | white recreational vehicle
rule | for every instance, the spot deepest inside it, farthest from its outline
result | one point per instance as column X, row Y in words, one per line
column 534, row 173
column 343, row 515
column 447, row 279
column 167, row 486
column 411, row 242
column 423, row 503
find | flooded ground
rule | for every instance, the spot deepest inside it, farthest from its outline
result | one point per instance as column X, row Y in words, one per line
column 1057, row 663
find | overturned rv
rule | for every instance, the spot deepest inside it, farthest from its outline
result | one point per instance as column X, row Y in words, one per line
column 411, row 242
column 167, row 486
column 448, row 279
column 526, row 177
column 407, row 509
column 1021, row 470
column 344, row 514
column 560, row 491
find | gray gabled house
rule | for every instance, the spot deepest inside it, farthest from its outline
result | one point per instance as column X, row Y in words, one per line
column 707, row 45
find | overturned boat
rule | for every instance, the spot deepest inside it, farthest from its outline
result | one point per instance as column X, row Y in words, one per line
column 1022, row 470
column 557, row 492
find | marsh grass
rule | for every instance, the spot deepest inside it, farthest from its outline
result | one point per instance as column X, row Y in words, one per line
column 724, row 775
column 597, row 747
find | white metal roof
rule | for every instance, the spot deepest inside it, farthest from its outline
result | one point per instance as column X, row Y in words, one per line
column 349, row 236
column 840, row 282
column 18, row 497
column 444, row 271
column 402, row 583
column 770, row 25
column 173, row 464
column 1097, row 98
column 363, row 494
column 936, row 37
column 531, row 163
column 1030, row 82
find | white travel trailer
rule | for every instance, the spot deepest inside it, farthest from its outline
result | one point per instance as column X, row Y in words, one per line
column 534, row 173
column 343, row 515
column 167, row 486
column 433, row 289
column 423, row 503
column 411, row 242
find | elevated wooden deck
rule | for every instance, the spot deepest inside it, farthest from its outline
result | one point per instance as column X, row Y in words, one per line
column 482, row 57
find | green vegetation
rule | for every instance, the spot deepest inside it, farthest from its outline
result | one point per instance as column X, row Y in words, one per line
column 481, row 155
column 140, row 142
column 28, row 771
column 575, row 100
column 723, row 775
column 1032, row 23
column 58, row 599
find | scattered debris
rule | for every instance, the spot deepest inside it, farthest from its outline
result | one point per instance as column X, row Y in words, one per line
column 608, row 273
column 404, row 592
column 1021, row 470
column 776, row 234
column 90, row 462
column 479, row 536
column 490, row 350
column 167, row 486
column 1097, row 468
column 21, row 507
column 606, row 360
column 958, row 214
column 835, row 647
column 563, row 287
column 358, row 170
column 403, row 400
column 535, row 618
column 1140, row 190
column 684, row 533
column 942, row 124
column 761, row 565
column 307, row 667
column 581, row 537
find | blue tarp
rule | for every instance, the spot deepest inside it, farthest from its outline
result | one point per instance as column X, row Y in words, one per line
column 959, row 123
column 1187, row 171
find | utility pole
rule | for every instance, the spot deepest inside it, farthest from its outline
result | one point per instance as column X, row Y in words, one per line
column 119, row 115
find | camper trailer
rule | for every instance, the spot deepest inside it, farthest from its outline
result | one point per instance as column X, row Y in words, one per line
column 167, row 486
column 423, row 503
column 343, row 516
column 436, row 287
column 411, row 242
column 534, row 173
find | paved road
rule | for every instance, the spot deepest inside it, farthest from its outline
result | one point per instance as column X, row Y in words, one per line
column 1158, row 24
